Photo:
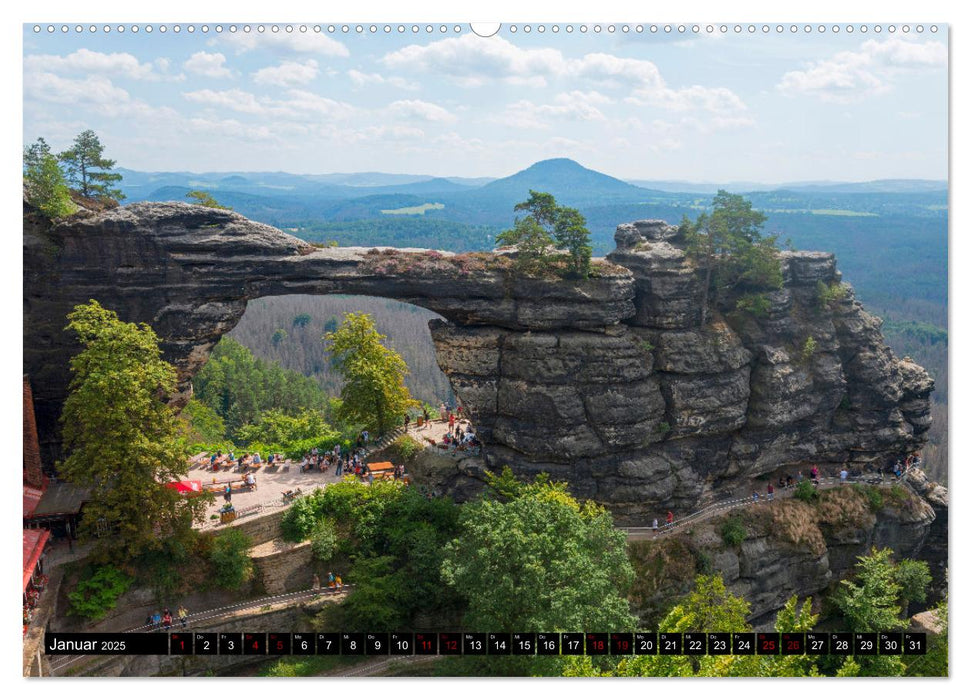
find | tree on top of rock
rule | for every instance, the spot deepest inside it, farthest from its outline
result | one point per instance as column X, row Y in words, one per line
column 44, row 181
column 548, row 224
column 88, row 171
column 729, row 246
column 204, row 199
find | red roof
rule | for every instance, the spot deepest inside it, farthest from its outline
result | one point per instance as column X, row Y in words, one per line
column 34, row 541
column 32, row 497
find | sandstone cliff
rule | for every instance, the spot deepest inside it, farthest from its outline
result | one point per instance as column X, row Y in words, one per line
column 611, row 383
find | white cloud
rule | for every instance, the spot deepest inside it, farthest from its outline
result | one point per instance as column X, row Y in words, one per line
column 287, row 73
column 361, row 79
column 286, row 43
column 473, row 61
column 851, row 76
column 296, row 104
column 420, row 110
column 525, row 114
column 96, row 93
column 91, row 62
column 210, row 65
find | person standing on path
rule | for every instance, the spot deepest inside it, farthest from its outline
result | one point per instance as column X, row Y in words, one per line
column 843, row 475
column 770, row 492
column 670, row 519
column 183, row 616
column 654, row 524
column 156, row 620
column 330, row 579
column 316, row 583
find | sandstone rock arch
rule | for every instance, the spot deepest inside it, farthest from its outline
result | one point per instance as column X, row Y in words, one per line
column 609, row 383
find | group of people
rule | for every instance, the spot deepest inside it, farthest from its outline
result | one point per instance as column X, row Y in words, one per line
column 242, row 462
column 342, row 459
column 333, row 581
column 163, row 621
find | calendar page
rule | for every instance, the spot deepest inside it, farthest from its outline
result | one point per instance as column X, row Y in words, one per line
column 552, row 349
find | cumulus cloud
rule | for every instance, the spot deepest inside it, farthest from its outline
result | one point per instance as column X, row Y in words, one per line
column 420, row 110
column 295, row 105
column 851, row 76
column 286, row 43
column 91, row 62
column 361, row 79
column 525, row 114
column 209, row 65
column 287, row 73
column 95, row 93
column 473, row 61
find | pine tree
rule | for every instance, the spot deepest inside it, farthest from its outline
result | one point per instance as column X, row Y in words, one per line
column 88, row 170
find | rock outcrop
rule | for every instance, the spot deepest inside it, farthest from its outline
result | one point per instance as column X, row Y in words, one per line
column 612, row 383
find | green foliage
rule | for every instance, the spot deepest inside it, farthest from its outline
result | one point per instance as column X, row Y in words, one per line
column 232, row 565
column 301, row 320
column 646, row 346
column 98, row 591
column 88, row 171
column 914, row 577
column 123, row 441
column 918, row 331
column 546, row 224
column 46, row 187
column 301, row 517
column 203, row 425
column 279, row 335
column 292, row 435
column 407, row 447
column 935, row 662
column 757, row 305
column 204, row 199
column 808, row 350
column 302, row 666
column 728, row 245
column 374, row 393
column 806, row 492
column 733, row 532
column 829, row 296
column 570, row 233
column 239, row 387
column 539, row 560
column 323, row 539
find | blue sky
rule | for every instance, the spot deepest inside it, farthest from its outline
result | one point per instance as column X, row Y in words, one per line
column 722, row 107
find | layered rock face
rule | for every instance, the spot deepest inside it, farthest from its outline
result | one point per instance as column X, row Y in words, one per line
column 612, row 383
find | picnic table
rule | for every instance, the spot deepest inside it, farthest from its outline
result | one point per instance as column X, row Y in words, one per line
column 382, row 470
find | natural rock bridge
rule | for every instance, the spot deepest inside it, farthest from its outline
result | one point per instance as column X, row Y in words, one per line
column 610, row 383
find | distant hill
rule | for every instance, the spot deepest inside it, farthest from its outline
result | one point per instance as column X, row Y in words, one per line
column 872, row 187
column 566, row 180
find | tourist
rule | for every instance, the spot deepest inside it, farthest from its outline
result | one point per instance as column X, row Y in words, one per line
column 241, row 461
column 788, row 481
column 424, row 414
column 330, row 579
column 654, row 524
column 755, row 496
column 156, row 620
column 782, row 481
column 442, row 413
column 251, row 481
column 799, row 478
column 451, row 421
column 367, row 437
column 183, row 616
column 167, row 620
column 814, row 473
column 339, row 582
column 769, row 492
column 340, row 467
column 458, row 409
column 232, row 456
column 228, row 492
column 316, row 584
column 406, row 422
column 843, row 475
column 670, row 518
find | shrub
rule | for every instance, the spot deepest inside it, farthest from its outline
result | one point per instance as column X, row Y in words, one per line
column 733, row 531
column 808, row 350
column 232, row 566
column 98, row 591
column 755, row 304
column 301, row 517
column 806, row 492
column 829, row 295
column 874, row 498
column 407, row 447
column 323, row 539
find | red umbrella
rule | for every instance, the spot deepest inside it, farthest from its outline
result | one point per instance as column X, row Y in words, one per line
column 185, row 487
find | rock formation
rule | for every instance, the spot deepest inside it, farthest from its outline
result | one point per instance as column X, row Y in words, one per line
column 610, row 383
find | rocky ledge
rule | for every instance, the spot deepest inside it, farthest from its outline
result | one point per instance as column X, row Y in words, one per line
column 611, row 383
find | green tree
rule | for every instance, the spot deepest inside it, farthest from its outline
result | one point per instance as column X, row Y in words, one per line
column 546, row 224
column 540, row 560
column 203, row 425
column 570, row 232
column 122, row 439
column 374, row 393
column 728, row 245
column 301, row 320
column 279, row 335
column 44, row 181
column 88, row 170
column 204, row 199
column 232, row 565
